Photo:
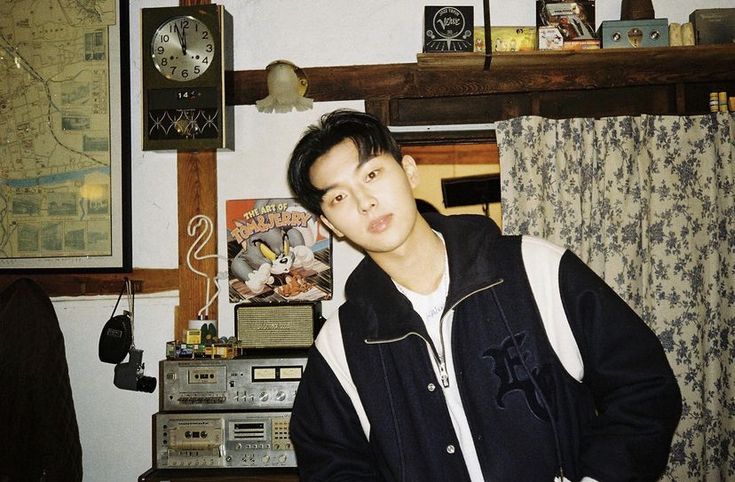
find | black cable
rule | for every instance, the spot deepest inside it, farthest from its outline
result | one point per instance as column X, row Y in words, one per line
column 125, row 284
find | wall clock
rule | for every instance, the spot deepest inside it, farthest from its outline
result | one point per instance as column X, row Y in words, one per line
column 185, row 52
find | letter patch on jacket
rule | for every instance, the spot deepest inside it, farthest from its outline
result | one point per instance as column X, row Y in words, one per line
column 513, row 376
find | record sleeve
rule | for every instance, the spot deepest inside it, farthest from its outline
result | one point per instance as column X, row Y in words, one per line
column 277, row 251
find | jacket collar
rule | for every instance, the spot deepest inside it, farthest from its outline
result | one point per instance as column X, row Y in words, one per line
column 389, row 315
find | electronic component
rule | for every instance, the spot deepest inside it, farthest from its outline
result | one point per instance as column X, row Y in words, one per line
column 217, row 440
column 261, row 382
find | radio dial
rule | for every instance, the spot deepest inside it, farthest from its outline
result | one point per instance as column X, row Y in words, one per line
column 280, row 396
column 263, row 397
column 266, row 458
column 282, row 459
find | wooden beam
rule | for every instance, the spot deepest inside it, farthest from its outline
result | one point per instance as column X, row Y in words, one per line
column 353, row 84
column 459, row 74
column 454, row 154
column 145, row 281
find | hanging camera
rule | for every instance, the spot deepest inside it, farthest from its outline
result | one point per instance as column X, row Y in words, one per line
column 117, row 341
column 130, row 376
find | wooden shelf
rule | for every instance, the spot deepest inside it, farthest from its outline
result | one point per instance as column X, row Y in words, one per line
column 457, row 74
column 590, row 69
column 558, row 84
column 667, row 58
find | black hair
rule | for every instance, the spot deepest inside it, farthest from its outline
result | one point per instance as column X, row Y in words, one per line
column 370, row 136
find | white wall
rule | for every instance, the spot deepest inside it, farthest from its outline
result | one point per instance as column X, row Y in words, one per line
column 115, row 425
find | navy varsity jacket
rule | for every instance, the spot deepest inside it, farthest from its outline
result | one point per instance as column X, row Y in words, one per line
column 370, row 407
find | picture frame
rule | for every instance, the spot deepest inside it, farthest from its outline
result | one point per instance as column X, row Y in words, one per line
column 65, row 163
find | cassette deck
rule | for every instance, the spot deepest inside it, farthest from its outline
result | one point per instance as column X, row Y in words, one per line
column 250, row 383
column 222, row 440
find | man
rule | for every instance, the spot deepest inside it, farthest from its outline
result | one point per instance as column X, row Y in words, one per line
column 461, row 354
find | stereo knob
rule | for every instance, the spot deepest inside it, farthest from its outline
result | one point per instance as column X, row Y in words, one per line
column 280, row 396
column 263, row 397
column 282, row 458
column 266, row 458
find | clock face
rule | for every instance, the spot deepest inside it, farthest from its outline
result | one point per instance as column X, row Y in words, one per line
column 182, row 48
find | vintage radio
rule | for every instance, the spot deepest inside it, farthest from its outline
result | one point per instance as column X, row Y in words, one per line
column 221, row 440
column 626, row 34
column 713, row 25
column 260, row 382
column 270, row 325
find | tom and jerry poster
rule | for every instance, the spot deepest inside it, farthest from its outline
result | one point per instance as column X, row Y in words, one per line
column 277, row 252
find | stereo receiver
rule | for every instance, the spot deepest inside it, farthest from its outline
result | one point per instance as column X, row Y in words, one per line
column 219, row 440
column 253, row 382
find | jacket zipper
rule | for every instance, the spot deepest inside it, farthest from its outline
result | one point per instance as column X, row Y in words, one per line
column 438, row 357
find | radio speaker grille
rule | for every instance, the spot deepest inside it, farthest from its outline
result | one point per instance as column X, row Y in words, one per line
column 277, row 326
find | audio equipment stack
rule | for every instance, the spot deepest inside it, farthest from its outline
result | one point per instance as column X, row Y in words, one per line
column 230, row 406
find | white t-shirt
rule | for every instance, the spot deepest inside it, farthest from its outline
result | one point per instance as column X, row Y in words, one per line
column 430, row 308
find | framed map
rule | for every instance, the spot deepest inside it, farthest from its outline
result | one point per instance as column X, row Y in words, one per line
column 64, row 136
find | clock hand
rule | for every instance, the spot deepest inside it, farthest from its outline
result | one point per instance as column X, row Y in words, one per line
column 178, row 35
column 183, row 41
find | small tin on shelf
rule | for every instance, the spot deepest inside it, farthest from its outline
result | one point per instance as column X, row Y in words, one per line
column 627, row 34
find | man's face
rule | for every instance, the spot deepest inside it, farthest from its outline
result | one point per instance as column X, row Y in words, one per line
column 372, row 203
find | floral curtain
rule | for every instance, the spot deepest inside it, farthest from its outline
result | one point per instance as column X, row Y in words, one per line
column 649, row 203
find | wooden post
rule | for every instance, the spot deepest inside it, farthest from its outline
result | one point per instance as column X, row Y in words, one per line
column 197, row 194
